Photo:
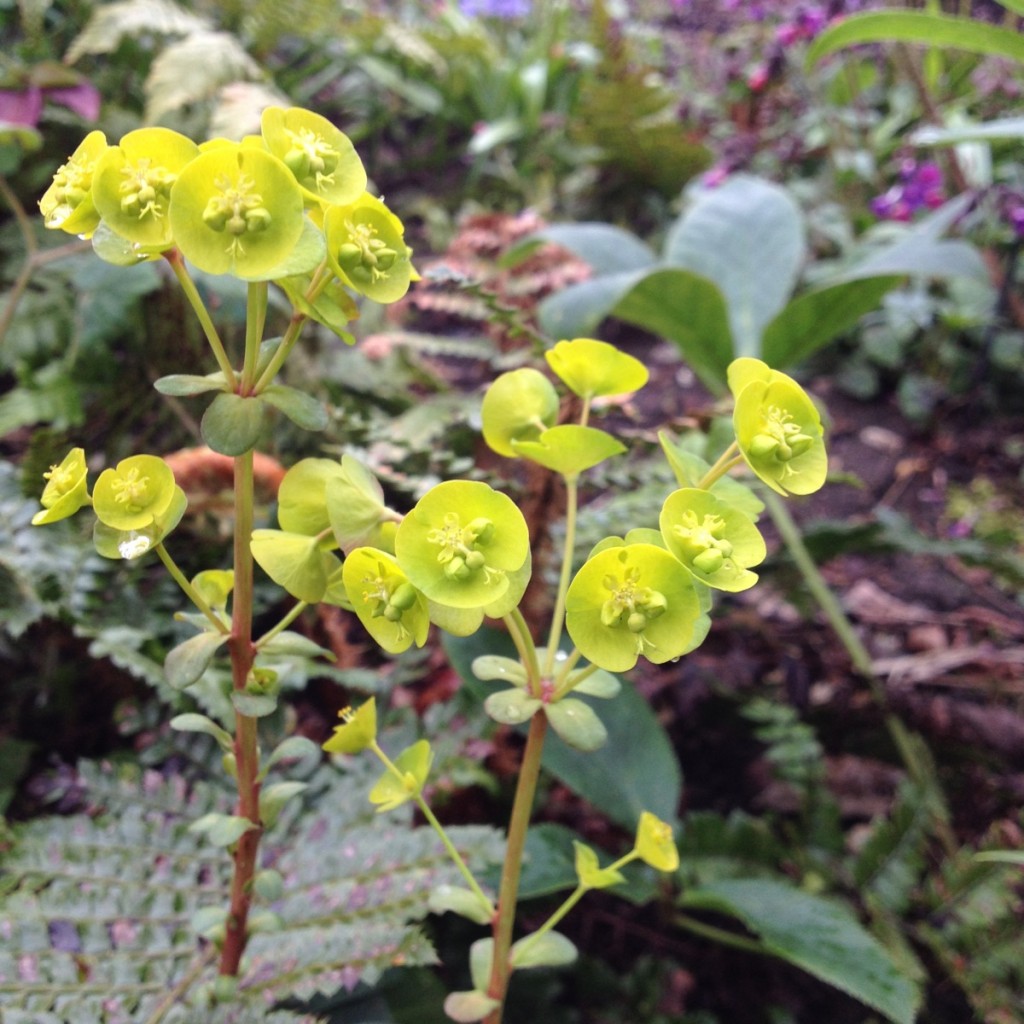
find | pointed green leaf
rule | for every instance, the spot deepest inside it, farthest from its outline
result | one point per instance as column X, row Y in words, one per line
column 185, row 664
column 461, row 901
column 232, row 424
column 273, row 798
column 200, row 723
column 552, row 949
column 291, row 644
column 181, row 385
column 818, row 935
column 926, row 28
column 222, row 829
column 302, row 409
column 253, row 705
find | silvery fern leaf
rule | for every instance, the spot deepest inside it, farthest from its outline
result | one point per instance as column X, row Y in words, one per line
column 134, row 19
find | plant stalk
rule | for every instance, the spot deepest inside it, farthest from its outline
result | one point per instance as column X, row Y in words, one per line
column 508, row 892
column 246, row 751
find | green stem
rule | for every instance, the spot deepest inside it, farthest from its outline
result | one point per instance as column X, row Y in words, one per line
column 574, row 897
column 508, row 892
column 859, row 655
column 246, row 750
column 453, row 852
column 255, row 319
column 320, row 280
column 177, row 264
column 519, row 631
column 558, row 615
column 729, row 458
column 288, row 619
column 190, row 592
column 726, row 938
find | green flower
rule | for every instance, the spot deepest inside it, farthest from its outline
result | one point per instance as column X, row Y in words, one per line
column 518, row 406
column 460, row 542
column 129, row 544
column 68, row 204
column 357, row 731
column 132, row 184
column 633, row 600
column 393, row 611
column 134, row 494
column 65, row 491
column 237, row 209
column 778, row 428
column 715, row 541
column 413, row 766
column 593, row 368
column 367, row 250
column 655, row 844
column 321, row 157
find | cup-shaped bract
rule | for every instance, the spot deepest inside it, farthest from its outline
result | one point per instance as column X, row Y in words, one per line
column 778, row 428
column 461, row 542
column 714, row 540
column 115, row 543
column 66, row 489
column 366, row 249
column 132, row 185
column 302, row 496
column 570, row 449
column 391, row 609
column 518, row 406
column 592, row 368
column 413, row 765
column 655, row 843
column 320, row 156
column 134, row 493
column 630, row 601
column 357, row 731
column 68, row 204
column 589, row 871
column 356, row 509
column 236, row 209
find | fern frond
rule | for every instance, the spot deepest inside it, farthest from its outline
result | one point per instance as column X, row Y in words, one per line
column 194, row 69
column 97, row 908
column 133, row 19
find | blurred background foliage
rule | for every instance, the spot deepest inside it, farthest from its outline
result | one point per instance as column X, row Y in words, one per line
column 540, row 152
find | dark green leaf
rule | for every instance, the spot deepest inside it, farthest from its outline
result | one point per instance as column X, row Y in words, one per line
column 817, row 935
column 301, row 408
column 232, row 424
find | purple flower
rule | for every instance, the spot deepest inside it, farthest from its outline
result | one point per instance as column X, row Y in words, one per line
column 506, row 9
column 919, row 188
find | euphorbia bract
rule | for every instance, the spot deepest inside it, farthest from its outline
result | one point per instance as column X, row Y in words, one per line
column 68, row 203
column 132, row 184
column 778, row 429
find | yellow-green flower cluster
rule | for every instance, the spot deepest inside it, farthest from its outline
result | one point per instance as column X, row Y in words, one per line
column 275, row 205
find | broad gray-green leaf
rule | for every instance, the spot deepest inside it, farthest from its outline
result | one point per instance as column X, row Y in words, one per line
column 232, row 424
column 577, row 311
column 253, row 705
column 1000, row 128
column 606, row 248
column 291, row 644
column 746, row 236
column 817, row 935
column 185, row 664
